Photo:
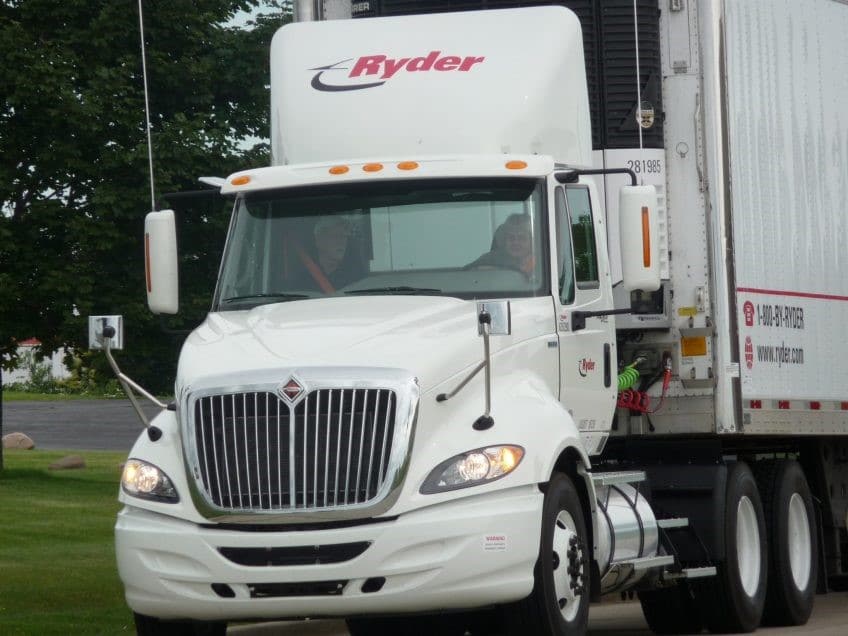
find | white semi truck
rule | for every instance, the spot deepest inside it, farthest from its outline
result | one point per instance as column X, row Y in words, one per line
column 462, row 372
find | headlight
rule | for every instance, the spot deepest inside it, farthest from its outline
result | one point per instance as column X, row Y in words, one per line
column 144, row 480
column 475, row 467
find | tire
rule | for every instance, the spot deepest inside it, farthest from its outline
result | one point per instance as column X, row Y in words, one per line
column 793, row 542
column 150, row 626
column 559, row 602
column 671, row 611
column 733, row 601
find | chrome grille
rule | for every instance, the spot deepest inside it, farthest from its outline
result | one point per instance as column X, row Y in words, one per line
column 256, row 452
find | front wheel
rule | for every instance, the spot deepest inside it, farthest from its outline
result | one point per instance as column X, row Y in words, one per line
column 559, row 603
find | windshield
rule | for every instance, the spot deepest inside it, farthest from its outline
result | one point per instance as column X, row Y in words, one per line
column 478, row 238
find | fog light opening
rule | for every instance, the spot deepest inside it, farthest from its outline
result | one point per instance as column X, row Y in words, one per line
column 223, row 590
column 374, row 584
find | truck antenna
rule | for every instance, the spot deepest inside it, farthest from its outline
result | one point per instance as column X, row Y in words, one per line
column 147, row 106
column 638, row 80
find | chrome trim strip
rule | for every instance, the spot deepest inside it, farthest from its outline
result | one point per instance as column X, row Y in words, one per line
column 226, row 454
column 361, row 444
column 314, row 462
column 349, row 447
column 339, row 449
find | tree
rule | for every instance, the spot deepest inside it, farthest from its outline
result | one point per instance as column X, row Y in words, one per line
column 73, row 158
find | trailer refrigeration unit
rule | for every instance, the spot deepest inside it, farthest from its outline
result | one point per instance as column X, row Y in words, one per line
column 494, row 336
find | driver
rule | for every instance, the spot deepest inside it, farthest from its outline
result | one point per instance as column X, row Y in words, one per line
column 325, row 265
column 512, row 247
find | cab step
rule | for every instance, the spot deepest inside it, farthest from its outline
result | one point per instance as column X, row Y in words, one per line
column 645, row 563
column 618, row 477
column 673, row 522
column 699, row 573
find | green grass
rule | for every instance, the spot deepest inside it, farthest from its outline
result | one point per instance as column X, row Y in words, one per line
column 26, row 396
column 57, row 547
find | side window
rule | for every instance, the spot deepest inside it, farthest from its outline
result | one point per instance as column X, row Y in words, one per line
column 565, row 256
column 583, row 231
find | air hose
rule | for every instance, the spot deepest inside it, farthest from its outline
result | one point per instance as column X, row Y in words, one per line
column 640, row 401
column 628, row 377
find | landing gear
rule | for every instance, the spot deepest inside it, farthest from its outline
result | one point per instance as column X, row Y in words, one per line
column 793, row 542
column 559, row 603
column 733, row 601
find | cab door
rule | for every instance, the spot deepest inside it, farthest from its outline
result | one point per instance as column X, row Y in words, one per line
column 588, row 373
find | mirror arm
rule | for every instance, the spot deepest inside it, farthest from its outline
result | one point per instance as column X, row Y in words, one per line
column 571, row 175
column 127, row 384
column 485, row 421
column 443, row 397
column 578, row 318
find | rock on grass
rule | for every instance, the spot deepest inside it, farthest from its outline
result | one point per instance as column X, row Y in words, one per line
column 19, row 441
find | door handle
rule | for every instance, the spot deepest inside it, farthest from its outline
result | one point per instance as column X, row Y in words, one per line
column 607, row 365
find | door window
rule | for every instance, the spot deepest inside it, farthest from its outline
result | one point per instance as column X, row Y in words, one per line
column 583, row 232
column 565, row 255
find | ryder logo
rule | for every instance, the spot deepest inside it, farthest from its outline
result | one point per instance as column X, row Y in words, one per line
column 376, row 70
column 585, row 366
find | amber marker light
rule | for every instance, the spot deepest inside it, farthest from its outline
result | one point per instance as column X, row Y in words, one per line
column 372, row 167
column 646, row 237
column 147, row 262
column 339, row 170
column 516, row 165
column 407, row 165
column 239, row 181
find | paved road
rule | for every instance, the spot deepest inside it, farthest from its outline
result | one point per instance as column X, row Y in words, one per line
column 76, row 424
column 608, row 619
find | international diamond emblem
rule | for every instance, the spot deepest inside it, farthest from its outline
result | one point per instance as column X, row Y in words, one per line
column 291, row 390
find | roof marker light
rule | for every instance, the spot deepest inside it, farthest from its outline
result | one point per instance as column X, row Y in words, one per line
column 339, row 170
column 242, row 180
column 372, row 167
column 515, row 165
column 407, row 165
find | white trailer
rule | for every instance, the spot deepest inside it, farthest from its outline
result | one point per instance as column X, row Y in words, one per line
column 461, row 371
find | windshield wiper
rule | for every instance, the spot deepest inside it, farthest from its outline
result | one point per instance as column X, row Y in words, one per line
column 264, row 296
column 396, row 290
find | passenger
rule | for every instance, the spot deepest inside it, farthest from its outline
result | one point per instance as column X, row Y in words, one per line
column 512, row 247
column 329, row 262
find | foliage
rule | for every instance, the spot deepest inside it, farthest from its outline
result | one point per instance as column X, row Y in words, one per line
column 73, row 160
column 57, row 546
column 38, row 371
column 84, row 380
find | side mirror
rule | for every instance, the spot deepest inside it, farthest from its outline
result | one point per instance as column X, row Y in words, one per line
column 160, row 262
column 638, row 231
column 96, row 327
column 500, row 317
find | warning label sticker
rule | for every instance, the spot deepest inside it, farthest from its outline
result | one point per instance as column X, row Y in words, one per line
column 494, row 543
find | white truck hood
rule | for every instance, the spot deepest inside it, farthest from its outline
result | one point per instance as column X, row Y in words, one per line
column 432, row 337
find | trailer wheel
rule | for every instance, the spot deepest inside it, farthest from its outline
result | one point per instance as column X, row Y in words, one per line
column 733, row 601
column 671, row 611
column 793, row 542
column 559, row 603
column 150, row 626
